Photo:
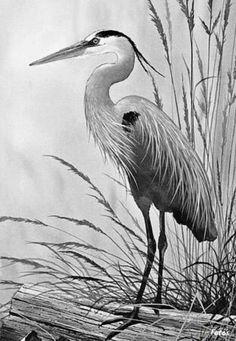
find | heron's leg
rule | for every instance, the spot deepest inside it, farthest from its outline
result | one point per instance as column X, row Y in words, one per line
column 162, row 246
column 133, row 318
column 151, row 250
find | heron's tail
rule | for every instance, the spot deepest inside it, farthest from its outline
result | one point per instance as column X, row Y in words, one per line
column 202, row 228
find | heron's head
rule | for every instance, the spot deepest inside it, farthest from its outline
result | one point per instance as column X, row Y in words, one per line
column 101, row 42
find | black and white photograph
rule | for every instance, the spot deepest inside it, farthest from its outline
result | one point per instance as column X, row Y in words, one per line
column 118, row 170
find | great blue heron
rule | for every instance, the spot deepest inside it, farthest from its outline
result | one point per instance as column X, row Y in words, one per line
column 145, row 144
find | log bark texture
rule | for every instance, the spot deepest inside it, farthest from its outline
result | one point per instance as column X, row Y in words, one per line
column 55, row 314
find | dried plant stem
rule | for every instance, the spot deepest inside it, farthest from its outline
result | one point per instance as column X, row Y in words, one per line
column 190, row 20
column 210, row 117
column 157, row 22
column 191, row 91
column 227, row 5
column 175, row 95
column 207, row 85
column 214, row 93
column 233, row 138
column 231, row 167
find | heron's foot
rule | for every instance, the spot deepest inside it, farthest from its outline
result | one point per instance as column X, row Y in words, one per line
column 128, row 320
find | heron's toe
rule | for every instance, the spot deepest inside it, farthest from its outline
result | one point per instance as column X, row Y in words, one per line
column 128, row 320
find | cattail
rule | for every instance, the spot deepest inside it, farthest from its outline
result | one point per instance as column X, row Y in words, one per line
column 218, row 44
column 157, row 22
column 200, row 129
column 226, row 13
column 234, row 71
column 157, row 97
column 219, row 182
column 210, row 3
column 168, row 19
column 203, row 84
column 215, row 22
column 186, row 113
column 183, row 7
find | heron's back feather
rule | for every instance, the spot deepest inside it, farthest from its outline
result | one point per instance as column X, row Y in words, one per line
column 167, row 170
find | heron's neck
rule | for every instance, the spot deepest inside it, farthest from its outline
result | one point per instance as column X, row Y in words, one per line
column 103, row 120
column 104, row 76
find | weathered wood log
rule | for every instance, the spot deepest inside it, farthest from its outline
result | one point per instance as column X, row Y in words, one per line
column 55, row 314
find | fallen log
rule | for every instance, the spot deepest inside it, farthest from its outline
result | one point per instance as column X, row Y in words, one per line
column 57, row 315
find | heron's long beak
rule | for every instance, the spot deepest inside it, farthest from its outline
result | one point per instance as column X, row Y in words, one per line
column 75, row 50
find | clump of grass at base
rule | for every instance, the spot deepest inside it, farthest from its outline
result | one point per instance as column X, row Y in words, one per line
column 114, row 276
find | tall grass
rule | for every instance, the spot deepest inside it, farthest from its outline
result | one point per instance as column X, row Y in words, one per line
column 208, row 93
column 200, row 277
column 114, row 276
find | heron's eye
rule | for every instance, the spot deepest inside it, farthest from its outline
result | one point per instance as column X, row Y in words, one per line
column 95, row 41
